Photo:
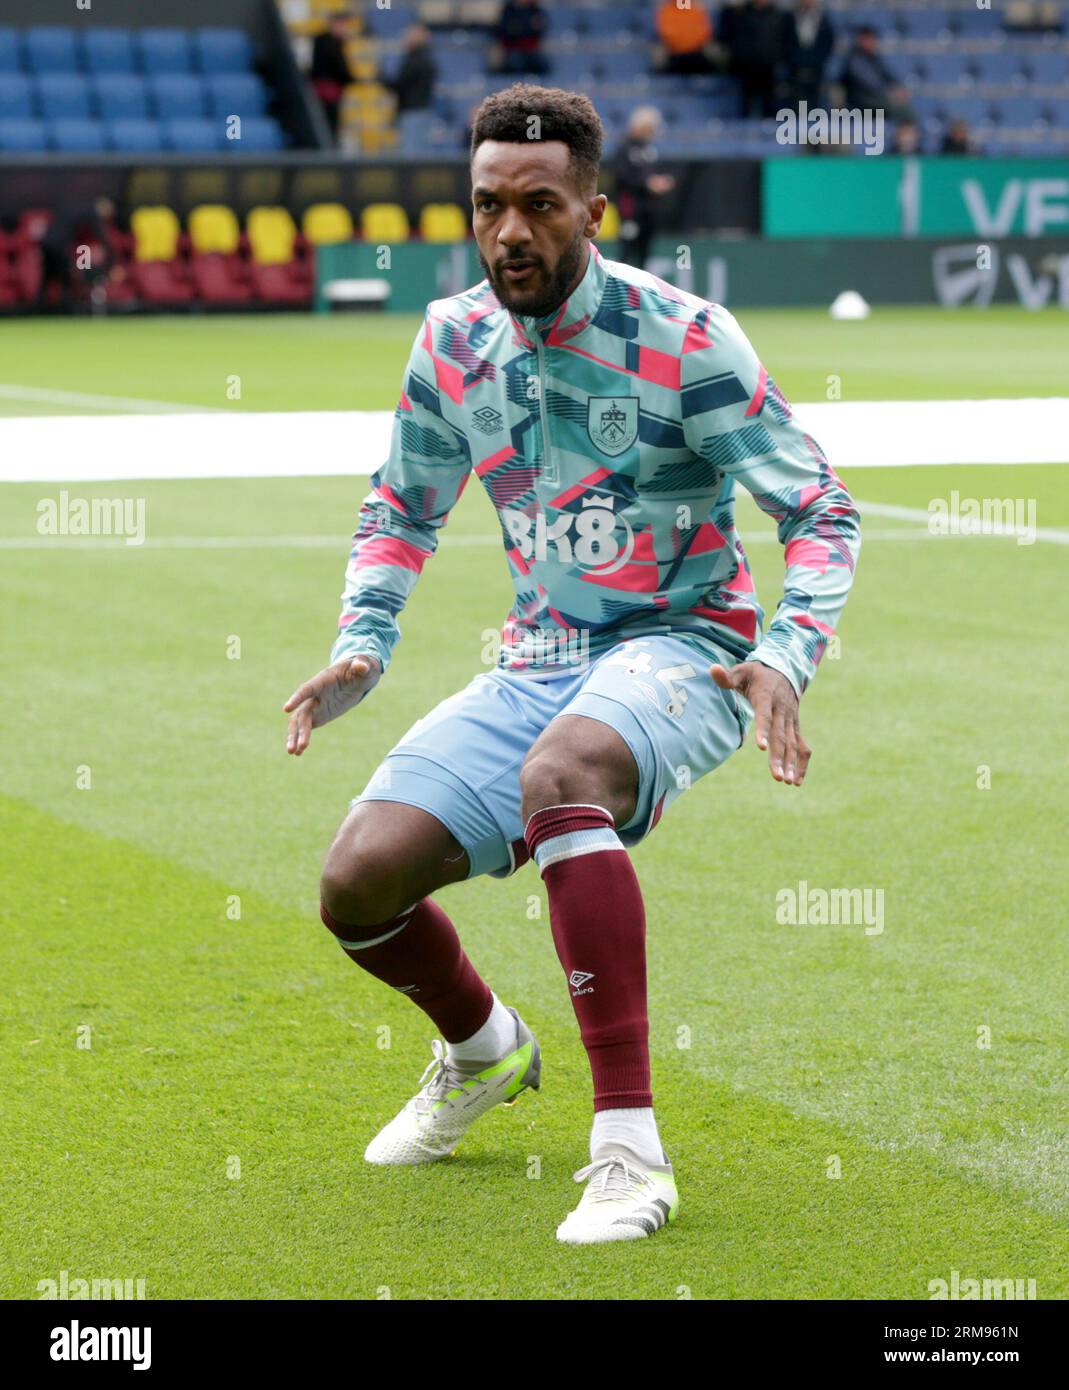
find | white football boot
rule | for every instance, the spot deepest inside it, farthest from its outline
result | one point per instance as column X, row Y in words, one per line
column 624, row 1200
column 443, row 1109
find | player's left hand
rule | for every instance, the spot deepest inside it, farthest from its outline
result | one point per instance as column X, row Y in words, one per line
column 775, row 707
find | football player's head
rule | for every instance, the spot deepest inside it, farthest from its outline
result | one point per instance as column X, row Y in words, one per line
column 535, row 153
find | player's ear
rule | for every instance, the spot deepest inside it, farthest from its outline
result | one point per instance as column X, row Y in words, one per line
column 595, row 212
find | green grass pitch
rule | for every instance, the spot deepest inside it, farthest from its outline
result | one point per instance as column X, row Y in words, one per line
column 209, row 1139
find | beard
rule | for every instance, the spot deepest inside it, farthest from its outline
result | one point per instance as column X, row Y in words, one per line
column 537, row 303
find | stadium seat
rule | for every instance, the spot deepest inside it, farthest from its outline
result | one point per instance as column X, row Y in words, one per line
column 134, row 136
column 444, row 222
column 78, row 136
column 997, row 69
column 272, row 235
column 165, row 50
column 384, row 222
column 177, row 96
column 214, row 228
column 258, row 133
column 120, row 96
column 923, row 24
column 23, row 136
column 220, row 276
column 51, row 48
column 63, row 96
column 156, row 231
column 222, row 50
column 109, row 50
column 235, row 93
column 192, row 136
column 1050, row 69
column 279, row 274
column 10, row 60
column 16, row 97
column 1020, row 113
column 327, row 224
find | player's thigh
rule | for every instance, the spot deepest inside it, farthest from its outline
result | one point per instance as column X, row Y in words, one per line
column 386, row 856
column 577, row 760
column 657, row 695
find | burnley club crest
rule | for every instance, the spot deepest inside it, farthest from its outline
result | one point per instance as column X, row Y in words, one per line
column 612, row 423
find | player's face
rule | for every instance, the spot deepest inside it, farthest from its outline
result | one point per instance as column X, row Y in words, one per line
column 531, row 222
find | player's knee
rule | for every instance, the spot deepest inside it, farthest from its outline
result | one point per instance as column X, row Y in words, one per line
column 359, row 890
column 552, row 777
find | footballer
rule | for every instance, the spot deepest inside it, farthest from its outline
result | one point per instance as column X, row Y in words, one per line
column 609, row 416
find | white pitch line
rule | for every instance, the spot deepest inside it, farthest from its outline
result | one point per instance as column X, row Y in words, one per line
column 138, row 405
column 341, row 543
column 338, row 443
column 890, row 509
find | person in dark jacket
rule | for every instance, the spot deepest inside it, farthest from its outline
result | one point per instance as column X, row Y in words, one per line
column 76, row 251
column 870, row 84
column 413, row 83
column 330, row 72
column 520, row 29
column 753, row 35
column 639, row 185
column 808, row 42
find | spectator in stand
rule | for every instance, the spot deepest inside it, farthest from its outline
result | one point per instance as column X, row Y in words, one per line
column 330, row 73
column 518, row 37
column 639, row 185
column 808, row 40
column 413, row 83
column 870, row 84
column 76, row 254
column 907, row 138
column 686, row 45
column 754, row 36
column 957, row 139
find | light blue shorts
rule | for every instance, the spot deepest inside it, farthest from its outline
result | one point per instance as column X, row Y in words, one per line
column 461, row 763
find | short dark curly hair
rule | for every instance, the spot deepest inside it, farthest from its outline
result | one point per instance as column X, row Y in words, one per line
column 566, row 116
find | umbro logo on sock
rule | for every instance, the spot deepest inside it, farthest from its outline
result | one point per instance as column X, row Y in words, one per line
column 577, row 979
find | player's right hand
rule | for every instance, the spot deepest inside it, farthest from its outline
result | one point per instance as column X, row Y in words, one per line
column 334, row 690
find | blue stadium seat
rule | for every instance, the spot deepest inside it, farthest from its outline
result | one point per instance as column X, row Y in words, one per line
column 51, row 48
column 193, row 135
column 1058, row 111
column 1020, row 113
column 240, row 93
column 22, row 136
column 973, row 110
column 109, row 50
column 977, row 24
column 16, row 97
column 948, row 69
column 178, row 96
column 165, row 50
column 120, row 96
column 76, row 136
column 64, row 96
column 223, row 50
column 1051, row 69
column 924, row 24
column 258, row 133
column 997, row 69
column 134, row 136
column 10, row 60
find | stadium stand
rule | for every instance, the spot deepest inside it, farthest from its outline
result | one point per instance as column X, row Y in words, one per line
column 72, row 90
column 953, row 60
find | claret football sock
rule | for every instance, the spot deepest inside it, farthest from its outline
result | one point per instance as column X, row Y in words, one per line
column 599, row 929
column 493, row 1040
column 419, row 953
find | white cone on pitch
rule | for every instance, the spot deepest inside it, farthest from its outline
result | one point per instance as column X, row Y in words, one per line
column 850, row 305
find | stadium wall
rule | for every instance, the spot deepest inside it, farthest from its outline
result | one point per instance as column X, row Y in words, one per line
column 914, row 197
column 758, row 273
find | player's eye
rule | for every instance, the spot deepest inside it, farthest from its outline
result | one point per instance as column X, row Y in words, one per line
column 484, row 204
column 541, row 204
